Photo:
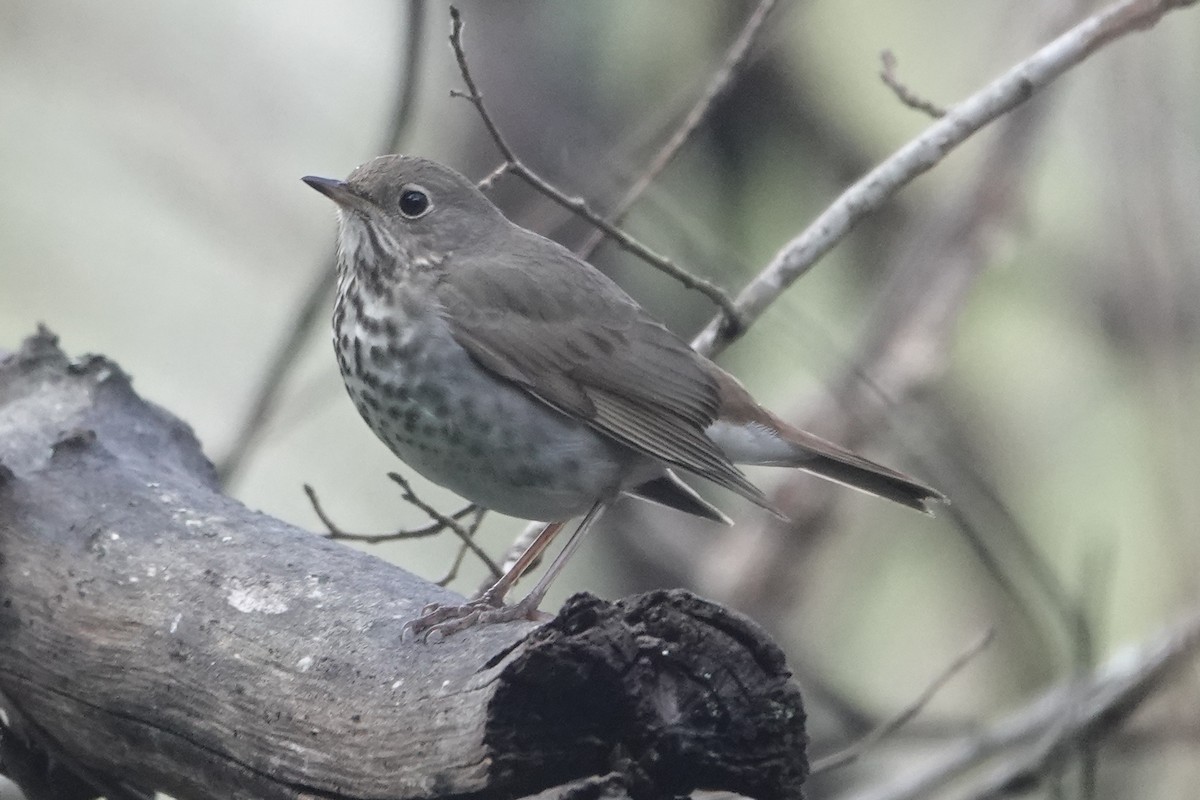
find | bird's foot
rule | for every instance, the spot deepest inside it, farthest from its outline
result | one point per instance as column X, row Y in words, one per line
column 444, row 620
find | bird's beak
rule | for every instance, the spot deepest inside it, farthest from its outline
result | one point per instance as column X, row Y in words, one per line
column 337, row 191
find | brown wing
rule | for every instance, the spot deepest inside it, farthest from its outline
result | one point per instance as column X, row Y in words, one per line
column 552, row 324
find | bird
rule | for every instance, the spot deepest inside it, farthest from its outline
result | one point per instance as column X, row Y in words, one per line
column 498, row 364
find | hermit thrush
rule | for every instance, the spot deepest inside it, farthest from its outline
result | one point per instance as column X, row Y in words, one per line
column 501, row 366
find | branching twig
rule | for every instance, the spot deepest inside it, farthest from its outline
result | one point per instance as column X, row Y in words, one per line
column 1052, row 724
column 308, row 311
column 855, row 751
column 906, row 95
column 576, row 205
column 910, row 331
column 489, row 180
column 467, row 538
column 921, row 154
column 440, row 523
column 452, row 573
column 336, row 532
column 732, row 66
column 903, row 350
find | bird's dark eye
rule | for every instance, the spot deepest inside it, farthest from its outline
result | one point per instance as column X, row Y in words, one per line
column 414, row 203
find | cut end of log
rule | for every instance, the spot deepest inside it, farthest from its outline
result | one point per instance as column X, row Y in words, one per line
column 668, row 691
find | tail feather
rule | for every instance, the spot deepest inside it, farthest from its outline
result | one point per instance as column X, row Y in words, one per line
column 840, row 465
column 749, row 434
column 668, row 490
column 782, row 445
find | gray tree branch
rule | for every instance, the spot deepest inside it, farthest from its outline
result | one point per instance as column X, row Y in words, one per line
column 961, row 121
column 1018, row 747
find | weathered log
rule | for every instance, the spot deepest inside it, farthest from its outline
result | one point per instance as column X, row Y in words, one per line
column 158, row 635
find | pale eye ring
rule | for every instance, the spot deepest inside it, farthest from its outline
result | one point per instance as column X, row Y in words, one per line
column 414, row 202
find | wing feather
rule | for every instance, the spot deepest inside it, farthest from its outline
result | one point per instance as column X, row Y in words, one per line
column 562, row 331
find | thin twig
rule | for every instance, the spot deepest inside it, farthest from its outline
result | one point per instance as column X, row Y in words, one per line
column 1052, row 724
column 452, row 573
column 906, row 95
column 487, row 181
column 732, row 67
column 903, row 349
column 451, row 524
column 287, row 354
column 338, row 533
column 440, row 523
column 855, row 751
column 576, row 205
column 921, row 154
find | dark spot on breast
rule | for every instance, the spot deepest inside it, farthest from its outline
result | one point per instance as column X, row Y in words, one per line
column 529, row 476
column 371, row 325
column 391, row 328
column 402, row 352
column 373, row 279
column 396, row 391
column 429, row 430
column 411, row 418
column 378, row 355
column 433, row 399
column 358, row 355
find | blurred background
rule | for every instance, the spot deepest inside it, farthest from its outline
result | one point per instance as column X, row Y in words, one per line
column 1019, row 327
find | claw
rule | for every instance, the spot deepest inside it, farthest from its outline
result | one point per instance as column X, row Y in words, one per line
column 445, row 620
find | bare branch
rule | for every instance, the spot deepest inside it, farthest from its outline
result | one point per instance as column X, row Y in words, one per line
column 906, row 95
column 904, row 349
column 921, row 154
column 440, row 523
column 890, row 726
column 489, row 180
column 732, row 67
column 466, row 537
column 1054, row 723
column 452, row 573
column 576, row 205
column 336, row 532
